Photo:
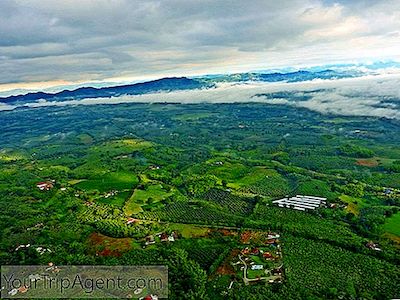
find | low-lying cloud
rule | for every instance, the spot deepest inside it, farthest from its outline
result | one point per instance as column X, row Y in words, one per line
column 375, row 96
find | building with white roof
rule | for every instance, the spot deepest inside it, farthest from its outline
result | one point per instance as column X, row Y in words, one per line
column 300, row 202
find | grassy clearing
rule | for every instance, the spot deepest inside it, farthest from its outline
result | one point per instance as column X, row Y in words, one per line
column 392, row 225
column 117, row 200
column 353, row 204
column 263, row 181
column 124, row 146
column 85, row 138
column 189, row 231
column 151, row 194
column 228, row 171
column 314, row 187
column 6, row 156
column 112, row 181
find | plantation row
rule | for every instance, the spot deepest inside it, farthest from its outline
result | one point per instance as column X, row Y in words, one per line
column 204, row 255
column 306, row 225
column 233, row 203
column 189, row 212
column 273, row 186
column 109, row 222
column 342, row 273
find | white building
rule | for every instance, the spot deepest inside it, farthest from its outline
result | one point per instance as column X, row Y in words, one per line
column 300, row 202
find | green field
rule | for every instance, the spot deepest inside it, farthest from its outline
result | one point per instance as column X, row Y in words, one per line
column 117, row 200
column 149, row 196
column 392, row 225
column 112, row 181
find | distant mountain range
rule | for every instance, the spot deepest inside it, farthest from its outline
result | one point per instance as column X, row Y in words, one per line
column 164, row 84
column 296, row 76
column 177, row 83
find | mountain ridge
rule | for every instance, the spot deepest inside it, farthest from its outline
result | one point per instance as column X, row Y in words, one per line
column 177, row 83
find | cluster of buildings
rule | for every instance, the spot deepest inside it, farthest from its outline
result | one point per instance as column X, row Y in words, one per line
column 110, row 194
column 162, row 237
column 300, row 202
column 45, row 185
column 40, row 250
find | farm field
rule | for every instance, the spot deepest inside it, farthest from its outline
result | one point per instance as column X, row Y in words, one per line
column 147, row 188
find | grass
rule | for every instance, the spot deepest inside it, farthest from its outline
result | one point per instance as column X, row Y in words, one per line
column 110, row 181
column 252, row 274
column 118, row 147
column 353, row 204
column 263, row 181
column 188, row 230
column 10, row 156
column 314, row 187
column 140, row 198
column 85, row 138
column 392, row 225
column 228, row 171
column 117, row 200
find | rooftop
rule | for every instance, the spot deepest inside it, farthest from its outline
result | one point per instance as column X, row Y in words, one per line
column 301, row 202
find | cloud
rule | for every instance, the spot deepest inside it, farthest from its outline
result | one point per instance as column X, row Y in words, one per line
column 375, row 96
column 94, row 40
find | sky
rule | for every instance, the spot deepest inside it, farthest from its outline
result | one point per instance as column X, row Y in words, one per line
column 47, row 43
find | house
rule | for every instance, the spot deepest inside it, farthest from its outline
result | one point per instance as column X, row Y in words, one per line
column 42, row 250
column 45, row 186
column 23, row 289
column 278, row 280
column 271, row 241
column 272, row 235
column 13, row 292
column 255, row 251
column 267, row 255
column 388, row 191
column 245, row 251
column 257, row 267
column 373, row 246
column 164, row 237
column 277, row 271
column 22, row 246
column 131, row 220
column 150, row 240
